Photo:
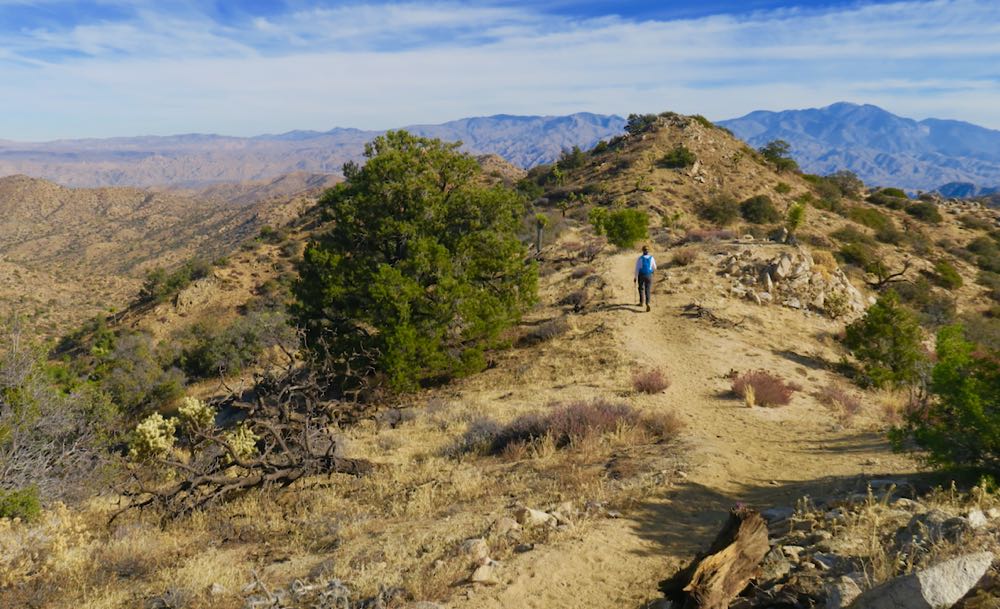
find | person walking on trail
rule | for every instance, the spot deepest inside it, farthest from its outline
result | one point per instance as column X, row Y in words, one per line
column 644, row 267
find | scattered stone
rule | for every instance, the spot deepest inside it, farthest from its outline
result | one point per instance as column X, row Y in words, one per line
column 777, row 513
column 841, row 593
column 793, row 552
column 937, row 587
column 529, row 517
column 524, row 547
column 485, row 574
column 505, row 525
column 774, row 566
column 476, row 549
column 825, row 561
column 614, row 514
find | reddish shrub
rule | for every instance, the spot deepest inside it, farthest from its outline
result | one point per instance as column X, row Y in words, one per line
column 684, row 256
column 700, row 234
column 650, row 381
column 582, row 271
column 566, row 424
column 763, row 388
column 836, row 397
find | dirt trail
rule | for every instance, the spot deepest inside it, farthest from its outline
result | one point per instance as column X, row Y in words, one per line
column 758, row 456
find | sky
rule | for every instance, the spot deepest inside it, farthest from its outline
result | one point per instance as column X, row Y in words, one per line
column 102, row 68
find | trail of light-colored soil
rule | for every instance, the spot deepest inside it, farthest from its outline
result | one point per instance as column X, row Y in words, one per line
column 758, row 456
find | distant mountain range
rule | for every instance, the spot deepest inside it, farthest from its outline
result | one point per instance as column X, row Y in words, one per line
column 197, row 160
column 957, row 158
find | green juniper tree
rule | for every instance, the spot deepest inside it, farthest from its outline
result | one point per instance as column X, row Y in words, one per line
column 420, row 270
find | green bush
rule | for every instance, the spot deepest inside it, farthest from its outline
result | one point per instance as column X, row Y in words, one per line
column 572, row 159
column 20, row 503
column 847, row 182
column 678, row 158
column 160, row 285
column 990, row 281
column 704, row 122
column 959, row 426
column 925, row 211
column 782, row 189
column 987, row 253
column 795, row 217
column 623, row 227
column 893, row 198
column 721, row 210
column 946, row 275
column 850, row 234
column 870, row 217
column 208, row 352
column 886, row 341
column 860, row 255
column 421, row 270
column 135, row 377
column 777, row 153
column 934, row 308
column 759, row 210
column 640, row 123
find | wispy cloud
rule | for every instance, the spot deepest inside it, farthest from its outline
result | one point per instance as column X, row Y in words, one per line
column 148, row 67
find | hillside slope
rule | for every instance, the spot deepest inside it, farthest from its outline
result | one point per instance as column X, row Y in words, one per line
column 882, row 148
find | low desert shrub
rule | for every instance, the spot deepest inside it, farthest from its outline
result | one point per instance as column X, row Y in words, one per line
column 544, row 332
column 582, row 271
column 824, row 261
column 20, row 503
column 565, row 425
column 684, row 256
column 759, row 210
column 887, row 343
column 850, row 234
column 701, row 235
column 893, row 198
column 844, row 404
column 946, row 275
column 650, row 381
column 870, row 217
column 721, row 210
column 678, row 158
column 925, row 211
column 782, row 188
column 762, row 388
column 972, row 222
column 623, row 227
column 576, row 299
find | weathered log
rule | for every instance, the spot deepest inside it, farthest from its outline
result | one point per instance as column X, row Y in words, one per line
column 715, row 578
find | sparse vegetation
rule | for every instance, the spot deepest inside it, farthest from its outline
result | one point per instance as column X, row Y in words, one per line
column 958, row 424
column 925, row 211
column 841, row 402
column 684, row 256
column 759, row 210
column 650, row 381
column 782, row 188
column 623, row 227
column 161, row 285
column 679, row 157
column 762, row 388
column 777, row 152
column 946, row 275
column 721, row 210
column 887, row 343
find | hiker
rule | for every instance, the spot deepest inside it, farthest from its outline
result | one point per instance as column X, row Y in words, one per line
column 644, row 267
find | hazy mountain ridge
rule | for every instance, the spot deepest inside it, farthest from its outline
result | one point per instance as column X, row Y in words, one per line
column 198, row 160
column 882, row 148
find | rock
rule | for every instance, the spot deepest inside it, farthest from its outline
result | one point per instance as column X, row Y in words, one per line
column 777, row 513
column 524, row 547
column 485, row 574
column 783, row 268
column 216, row 589
column 825, row 561
column 993, row 513
column 477, row 550
column 937, row 587
column 905, row 504
column 529, row 517
column 774, row 566
column 793, row 303
column 423, row 605
column 756, row 298
column 841, row 593
column 505, row 525
column 976, row 519
column 793, row 552
column 768, row 282
column 765, row 296
column 564, row 513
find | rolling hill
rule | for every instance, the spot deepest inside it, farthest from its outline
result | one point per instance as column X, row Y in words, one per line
column 198, row 160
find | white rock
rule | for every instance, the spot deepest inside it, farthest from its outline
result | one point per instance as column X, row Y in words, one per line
column 485, row 574
column 977, row 519
column 505, row 525
column 476, row 549
column 841, row 593
column 937, row 587
column 530, row 517
column 993, row 513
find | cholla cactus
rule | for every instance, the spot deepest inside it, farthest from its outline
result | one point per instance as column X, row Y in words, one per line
column 243, row 441
column 154, row 437
column 196, row 415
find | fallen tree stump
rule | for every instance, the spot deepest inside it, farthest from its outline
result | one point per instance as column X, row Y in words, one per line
column 714, row 579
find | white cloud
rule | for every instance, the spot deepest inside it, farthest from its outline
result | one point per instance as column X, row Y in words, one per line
column 388, row 66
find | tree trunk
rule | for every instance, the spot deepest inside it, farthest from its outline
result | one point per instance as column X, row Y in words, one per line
column 713, row 580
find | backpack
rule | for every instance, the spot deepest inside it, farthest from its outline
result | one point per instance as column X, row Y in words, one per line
column 646, row 264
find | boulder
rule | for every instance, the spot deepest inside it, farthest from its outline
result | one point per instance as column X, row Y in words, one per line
column 485, row 574
column 937, row 587
column 977, row 519
column 477, row 550
column 529, row 517
column 841, row 593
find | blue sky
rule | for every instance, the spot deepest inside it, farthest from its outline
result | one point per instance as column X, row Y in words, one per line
column 129, row 67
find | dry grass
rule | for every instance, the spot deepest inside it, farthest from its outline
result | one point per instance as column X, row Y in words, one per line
column 763, row 388
column 544, row 332
column 650, row 381
column 841, row 402
column 684, row 256
column 824, row 262
column 700, row 235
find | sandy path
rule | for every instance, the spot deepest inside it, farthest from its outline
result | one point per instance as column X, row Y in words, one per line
column 758, row 456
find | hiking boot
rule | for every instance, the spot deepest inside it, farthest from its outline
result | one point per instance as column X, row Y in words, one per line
column 647, row 306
